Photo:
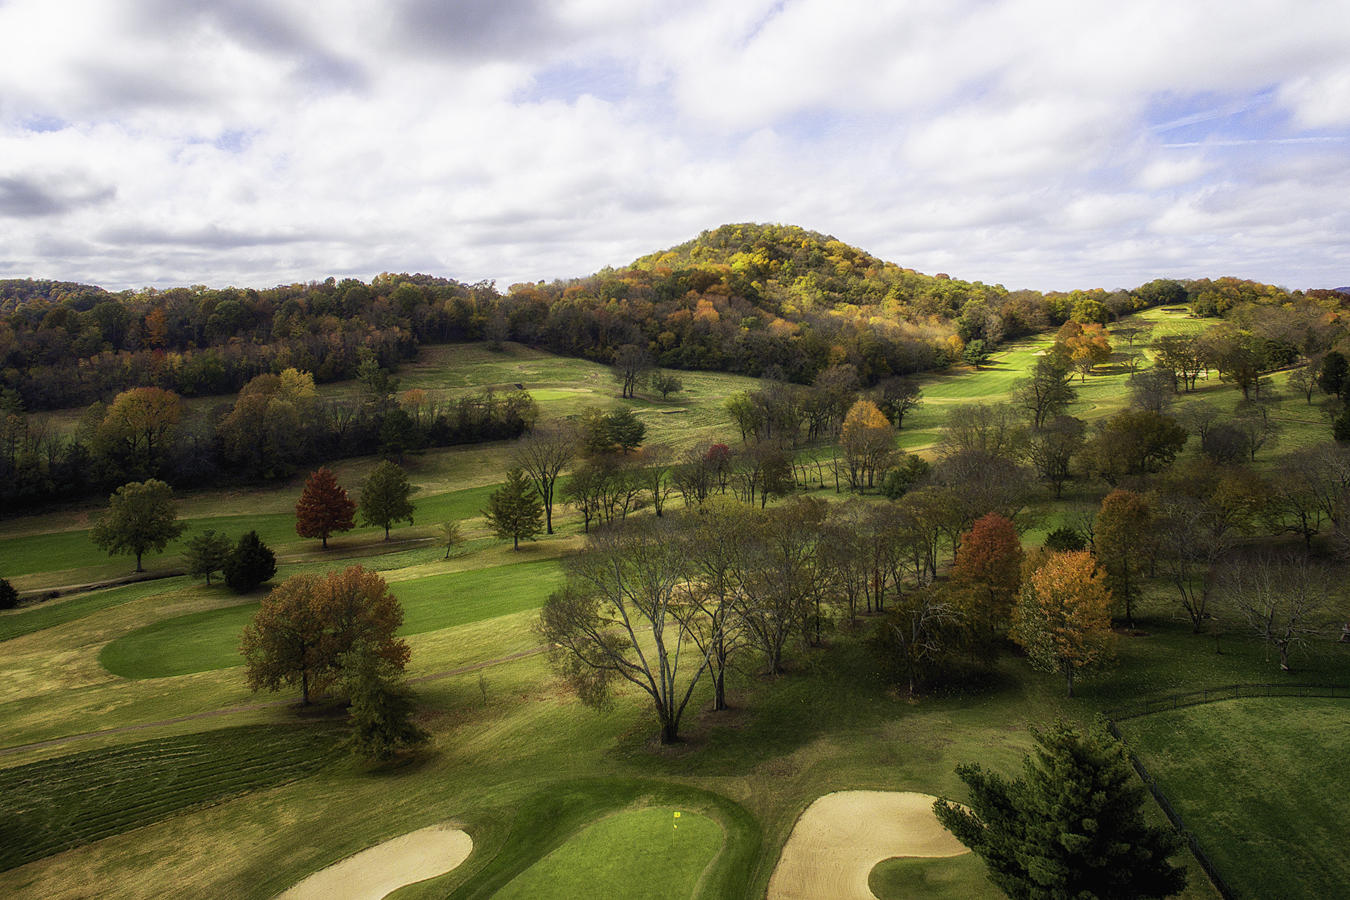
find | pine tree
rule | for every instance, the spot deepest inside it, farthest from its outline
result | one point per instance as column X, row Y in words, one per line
column 1072, row 826
column 514, row 510
column 382, row 705
column 323, row 508
column 250, row 564
column 385, row 497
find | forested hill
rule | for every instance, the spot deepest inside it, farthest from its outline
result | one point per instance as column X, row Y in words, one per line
column 755, row 299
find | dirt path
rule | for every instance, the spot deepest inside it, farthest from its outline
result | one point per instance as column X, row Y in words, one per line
column 841, row 836
column 384, row 868
column 249, row 707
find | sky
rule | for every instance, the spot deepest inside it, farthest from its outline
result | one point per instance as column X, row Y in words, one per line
column 1046, row 144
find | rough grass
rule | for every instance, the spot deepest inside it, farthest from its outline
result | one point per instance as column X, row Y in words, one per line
column 54, row 805
column 1261, row 783
column 203, row 641
column 643, row 854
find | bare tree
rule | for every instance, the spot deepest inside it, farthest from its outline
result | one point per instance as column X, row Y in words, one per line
column 1283, row 599
column 631, row 364
column 623, row 615
column 542, row 454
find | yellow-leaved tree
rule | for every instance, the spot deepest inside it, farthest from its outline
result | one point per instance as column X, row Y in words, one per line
column 1063, row 616
column 868, row 441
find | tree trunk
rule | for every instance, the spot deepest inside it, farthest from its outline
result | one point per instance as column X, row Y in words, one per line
column 139, row 568
column 325, row 542
column 386, row 532
column 515, row 538
column 719, row 690
column 1068, row 677
column 304, row 687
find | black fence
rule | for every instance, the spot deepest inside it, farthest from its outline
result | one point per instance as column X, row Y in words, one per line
column 1196, row 698
column 1226, row 692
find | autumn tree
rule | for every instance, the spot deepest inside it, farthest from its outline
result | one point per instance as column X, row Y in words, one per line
column 1181, row 355
column 1071, row 826
column 265, row 433
column 323, row 508
column 709, row 543
column 542, row 454
column 249, row 564
column 205, row 553
column 386, row 497
column 1062, row 618
column 514, row 510
column 137, row 430
column 622, row 617
column 987, row 575
column 1083, row 346
column 1125, row 536
column 305, row 625
column 141, row 518
column 868, row 441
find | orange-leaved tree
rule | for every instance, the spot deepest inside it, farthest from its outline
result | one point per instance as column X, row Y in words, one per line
column 868, row 441
column 324, row 507
column 1063, row 616
column 306, row 624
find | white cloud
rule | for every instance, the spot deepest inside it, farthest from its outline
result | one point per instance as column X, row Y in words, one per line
column 1017, row 141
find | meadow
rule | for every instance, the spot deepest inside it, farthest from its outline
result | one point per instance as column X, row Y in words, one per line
column 99, row 687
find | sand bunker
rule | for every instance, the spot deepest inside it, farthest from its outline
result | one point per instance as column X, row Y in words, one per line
column 384, row 868
column 841, row 836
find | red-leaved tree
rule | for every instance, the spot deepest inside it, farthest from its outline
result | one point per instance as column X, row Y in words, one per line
column 323, row 508
column 988, row 575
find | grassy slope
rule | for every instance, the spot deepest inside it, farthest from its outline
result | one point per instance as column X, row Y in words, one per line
column 1262, row 785
column 507, row 740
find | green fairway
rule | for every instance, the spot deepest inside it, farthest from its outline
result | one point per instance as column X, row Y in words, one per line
column 955, row 876
column 60, row 803
column 645, row 854
column 51, row 613
column 1262, row 785
column 203, row 641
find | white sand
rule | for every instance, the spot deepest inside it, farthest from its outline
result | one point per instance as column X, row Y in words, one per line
column 842, row 836
column 384, row 868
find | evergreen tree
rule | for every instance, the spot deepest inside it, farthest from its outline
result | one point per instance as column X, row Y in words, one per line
column 381, row 704
column 206, row 553
column 323, row 508
column 9, row 597
column 514, row 510
column 1072, row 826
column 250, row 564
column 385, row 497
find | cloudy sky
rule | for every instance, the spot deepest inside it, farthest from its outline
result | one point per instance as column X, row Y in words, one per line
column 1035, row 143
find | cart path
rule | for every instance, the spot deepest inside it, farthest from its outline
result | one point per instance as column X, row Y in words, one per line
column 249, row 707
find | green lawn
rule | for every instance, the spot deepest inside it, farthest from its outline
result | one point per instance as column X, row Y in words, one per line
column 1262, row 785
column 646, row 854
column 207, row 640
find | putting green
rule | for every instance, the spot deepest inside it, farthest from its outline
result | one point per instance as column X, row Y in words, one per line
column 205, row 641
column 657, row 853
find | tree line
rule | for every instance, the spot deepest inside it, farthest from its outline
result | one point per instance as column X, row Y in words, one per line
column 276, row 425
